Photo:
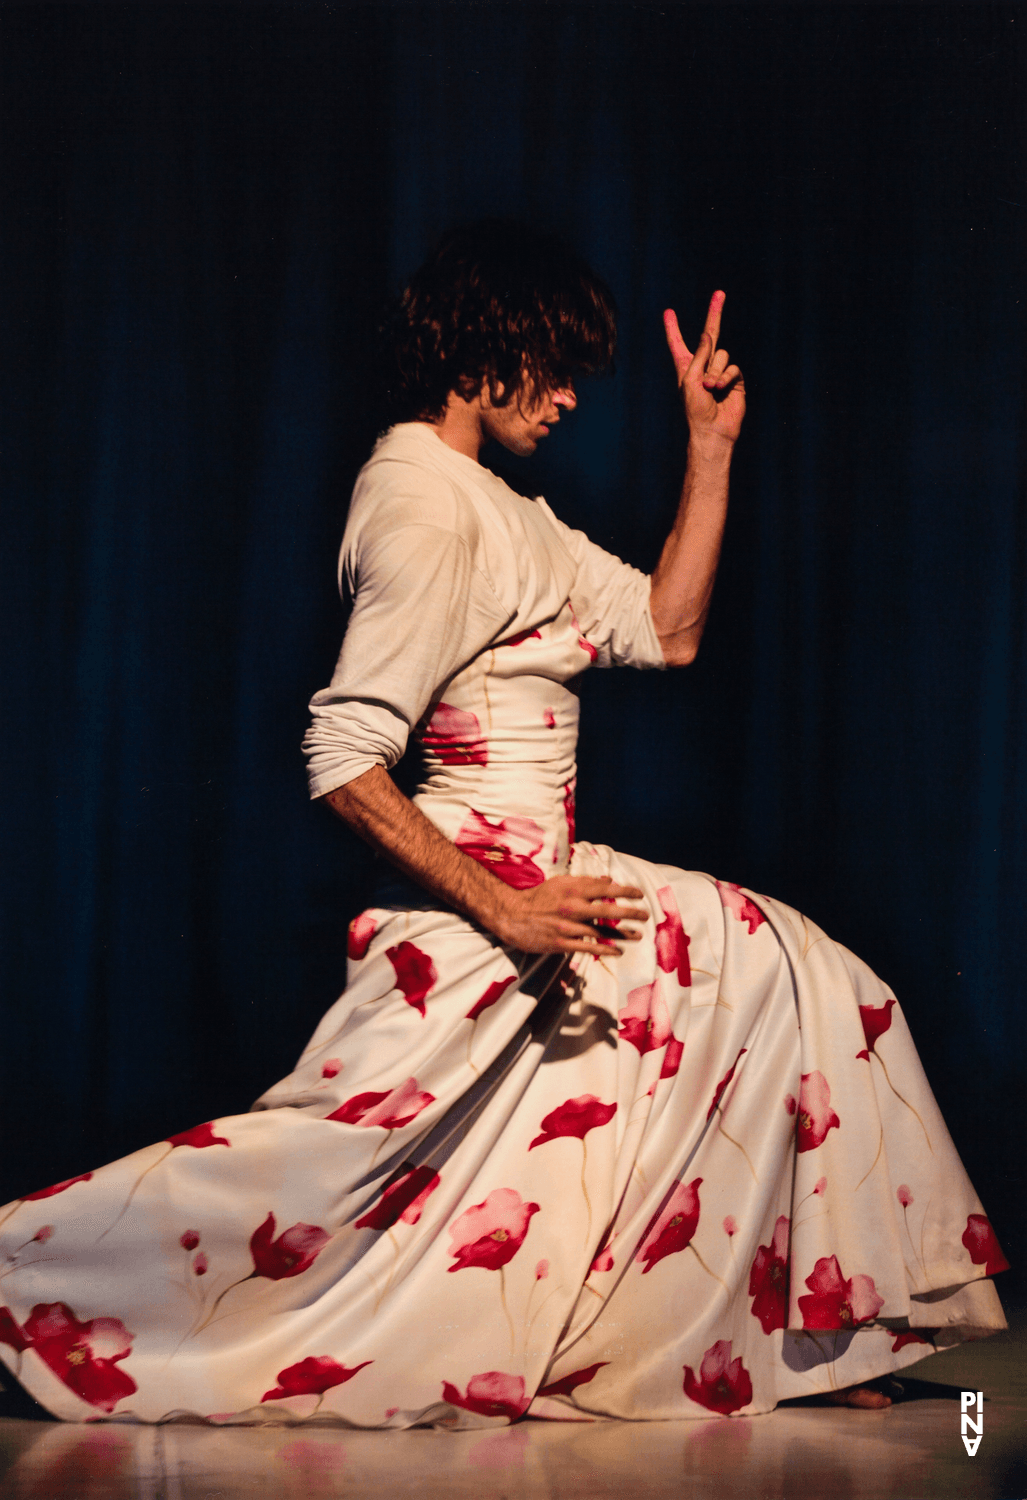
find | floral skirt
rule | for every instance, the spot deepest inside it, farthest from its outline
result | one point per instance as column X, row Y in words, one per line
column 704, row 1176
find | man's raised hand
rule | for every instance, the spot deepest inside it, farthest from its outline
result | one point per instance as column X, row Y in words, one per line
column 711, row 387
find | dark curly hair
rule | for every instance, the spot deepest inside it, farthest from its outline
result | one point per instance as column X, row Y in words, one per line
column 495, row 303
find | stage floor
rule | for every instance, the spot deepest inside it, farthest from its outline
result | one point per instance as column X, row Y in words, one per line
column 911, row 1451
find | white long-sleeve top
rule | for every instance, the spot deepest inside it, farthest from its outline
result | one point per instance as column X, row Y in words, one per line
column 442, row 561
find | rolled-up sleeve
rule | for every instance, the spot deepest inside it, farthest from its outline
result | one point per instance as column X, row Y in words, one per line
column 421, row 611
column 611, row 601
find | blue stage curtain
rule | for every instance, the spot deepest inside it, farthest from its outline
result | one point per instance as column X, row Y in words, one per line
column 204, row 209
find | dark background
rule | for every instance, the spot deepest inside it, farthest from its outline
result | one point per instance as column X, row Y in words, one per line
column 204, row 208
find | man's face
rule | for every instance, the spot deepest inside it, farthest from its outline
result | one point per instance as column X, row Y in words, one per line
column 527, row 417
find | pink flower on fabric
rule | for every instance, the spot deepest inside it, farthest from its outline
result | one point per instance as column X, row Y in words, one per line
column 455, row 737
column 189, row 1240
column 903, row 1194
column 549, row 719
column 837, row 1303
column 979, row 1239
column 821, row 1187
column 742, row 907
column 603, row 1260
column 496, row 989
column 361, row 930
column 570, row 809
column 718, row 1092
column 876, row 1021
column 199, row 1137
column 909, row 1338
column 816, row 1117
column 331, row 1068
column 521, row 637
column 82, row 1355
column 723, row 1385
column 490, row 1234
column 585, row 645
column 672, row 942
column 10, row 1333
column 403, row 1198
column 293, row 1252
column 542, row 1270
column 768, row 1280
column 505, row 848
column 42, row 1235
column 730, row 1226
column 492, row 1394
column 645, row 1020
column 201, row 1265
column 392, row 1109
column 576, row 1117
column 58, row 1187
column 568, row 1384
column 790, row 1104
column 415, row 973
column 312, row 1377
column 672, row 1058
column 673, row 1226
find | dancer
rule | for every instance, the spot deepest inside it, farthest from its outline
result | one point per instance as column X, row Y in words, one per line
column 584, row 1135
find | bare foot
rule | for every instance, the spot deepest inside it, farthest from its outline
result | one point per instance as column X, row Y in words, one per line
column 861, row 1396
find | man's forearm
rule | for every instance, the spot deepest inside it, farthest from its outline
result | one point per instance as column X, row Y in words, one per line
column 682, row 583
column 375, row 808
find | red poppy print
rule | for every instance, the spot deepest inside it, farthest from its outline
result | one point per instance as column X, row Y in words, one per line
column 876, row 1021
column 723, row 1385
column 293, row 1252
column 58, row 1187
column 42, row 1235
column 549, row 719
column 570, row 808
column 189, row 1240
column 505, row 848
column 603, row 1261
column 673, row 1227
column 645, row 1020
column 495, row 991
column 585, row 645
column 742, row 907
column 909, row 1338
column 837, row 1303
column 331, row 1068
column 82, row 1355
column 718, row 1092
column 201, row 1265
column 568, row 1384
column 576, row 1118
column 10, row 1333
column 815, row 1115
column 768, row 1280
column 672, row 1058
column 358, row 939
column 392, row 1109
column 455, row 737
column 672, row 942
column 402, row 1199
column 415, row 973
column 979, row 1239
column 521, row 637
column 903, row 1194
column 199, row 1137
column 490, row 1234
column 490, row 1395
column 312, row 1377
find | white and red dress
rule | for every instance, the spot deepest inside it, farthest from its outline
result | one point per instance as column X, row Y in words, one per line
column 704, row 1176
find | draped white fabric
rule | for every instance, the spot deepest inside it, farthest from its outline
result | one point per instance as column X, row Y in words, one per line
column 707, row 1175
